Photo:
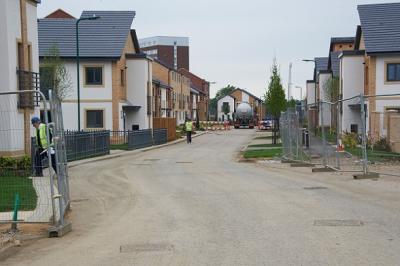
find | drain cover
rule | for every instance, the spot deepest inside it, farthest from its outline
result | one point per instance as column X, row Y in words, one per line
column 338, row 223
column 184, row 162
column 146, row 247
column 151, row 160
column 312, row 188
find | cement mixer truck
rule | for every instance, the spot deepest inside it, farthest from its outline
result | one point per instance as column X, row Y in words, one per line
column 244, row 116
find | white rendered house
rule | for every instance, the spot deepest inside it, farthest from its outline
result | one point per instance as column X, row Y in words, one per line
column 19, row 67
column 115, row 78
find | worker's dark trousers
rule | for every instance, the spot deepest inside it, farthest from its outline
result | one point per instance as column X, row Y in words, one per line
column 189, row 136
column 38, row 162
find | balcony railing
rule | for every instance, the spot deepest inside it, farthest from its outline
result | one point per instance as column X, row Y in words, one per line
column 28, row 81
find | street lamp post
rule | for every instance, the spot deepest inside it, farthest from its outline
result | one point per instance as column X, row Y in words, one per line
column 315, row 91
column 77, row 65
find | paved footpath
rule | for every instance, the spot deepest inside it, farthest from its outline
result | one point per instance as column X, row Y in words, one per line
column 195, row 205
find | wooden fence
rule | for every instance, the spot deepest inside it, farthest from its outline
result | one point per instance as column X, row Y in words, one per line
column 168, row 123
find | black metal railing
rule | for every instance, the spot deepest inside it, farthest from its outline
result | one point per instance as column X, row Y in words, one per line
column 28, row 80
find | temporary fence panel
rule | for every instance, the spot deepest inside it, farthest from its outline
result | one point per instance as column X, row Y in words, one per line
column 160, row 136
column 23, row 196
column 293, row 137
column 138, row 139
column 59, row 145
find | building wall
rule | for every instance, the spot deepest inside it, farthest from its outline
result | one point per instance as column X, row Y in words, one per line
column 379, row 105
column 343, row 47
column 90, row 96
column 139, row 80
column 310, row 87
column 160, row 72
column 15, row 140
column 181, row 88
column 352, row 84
column 325, row 108
column 221, row 114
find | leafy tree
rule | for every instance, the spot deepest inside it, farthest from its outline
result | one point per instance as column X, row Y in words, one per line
column 54, row 75
column 224, row 91
column 275, row 97
column 226, row 108
column 331, row 88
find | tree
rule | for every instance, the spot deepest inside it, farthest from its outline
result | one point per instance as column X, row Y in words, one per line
column 54, row 75
column 331, row 88
column 225, row 108
column 275, row 97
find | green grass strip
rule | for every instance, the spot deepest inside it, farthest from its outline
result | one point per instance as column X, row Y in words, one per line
column 268, row 153
column 11, row 185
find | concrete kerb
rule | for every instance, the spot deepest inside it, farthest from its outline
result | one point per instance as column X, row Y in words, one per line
column 128, row 153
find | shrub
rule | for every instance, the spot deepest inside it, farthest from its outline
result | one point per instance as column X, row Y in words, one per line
column 350, row 140
column 17, row 165
column 382, row 145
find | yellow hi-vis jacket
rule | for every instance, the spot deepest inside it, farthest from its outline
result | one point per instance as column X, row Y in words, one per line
column 189, row 126
column 42, row 135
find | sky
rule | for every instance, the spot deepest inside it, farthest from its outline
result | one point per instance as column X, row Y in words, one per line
column 235, row 41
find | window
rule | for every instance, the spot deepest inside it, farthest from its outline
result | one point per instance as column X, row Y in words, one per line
column 94, row 119
column 393, row 72
column 94, row 76
column 354, row 128
column 122, row 77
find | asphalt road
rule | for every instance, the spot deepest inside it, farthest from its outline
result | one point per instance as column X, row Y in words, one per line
column 195, row 205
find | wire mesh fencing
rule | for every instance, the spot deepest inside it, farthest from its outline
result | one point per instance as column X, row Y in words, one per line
column 25, row 196
column 356, row 134
column 293, row 137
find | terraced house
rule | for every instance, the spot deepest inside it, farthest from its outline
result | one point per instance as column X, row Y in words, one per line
column 378, row 39
column 116, row 79
column 19, row 67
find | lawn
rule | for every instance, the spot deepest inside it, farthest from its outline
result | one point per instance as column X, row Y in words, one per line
column 267, row 153
column 266, row 145
column 9, row 186
column 123, row 147
column 376, row 156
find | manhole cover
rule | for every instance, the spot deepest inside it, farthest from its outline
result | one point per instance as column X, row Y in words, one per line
column 312, row 188
column 146, row 247
column 184, row 162
column 338, row 223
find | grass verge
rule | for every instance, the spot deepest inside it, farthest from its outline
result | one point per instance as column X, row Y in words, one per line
column 123, row 147
column 266, row 145
column 376, row 156
column 10, row 186
column 268, row 153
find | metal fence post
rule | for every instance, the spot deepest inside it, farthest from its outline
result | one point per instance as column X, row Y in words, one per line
column 363, row 135
column 337, row 134
column 324, row 159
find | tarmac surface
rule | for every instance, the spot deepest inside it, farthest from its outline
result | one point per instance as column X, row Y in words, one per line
column 196, row 205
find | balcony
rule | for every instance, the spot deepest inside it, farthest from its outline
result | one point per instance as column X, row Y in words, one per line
column 28, row 81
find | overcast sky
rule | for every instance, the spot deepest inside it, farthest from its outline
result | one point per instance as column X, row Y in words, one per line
column 235, row 41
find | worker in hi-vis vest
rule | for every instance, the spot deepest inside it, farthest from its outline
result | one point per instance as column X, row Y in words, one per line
column 43, row 146
column 189, row 130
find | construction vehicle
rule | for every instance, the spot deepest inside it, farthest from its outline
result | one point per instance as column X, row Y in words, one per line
column 244, row 116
